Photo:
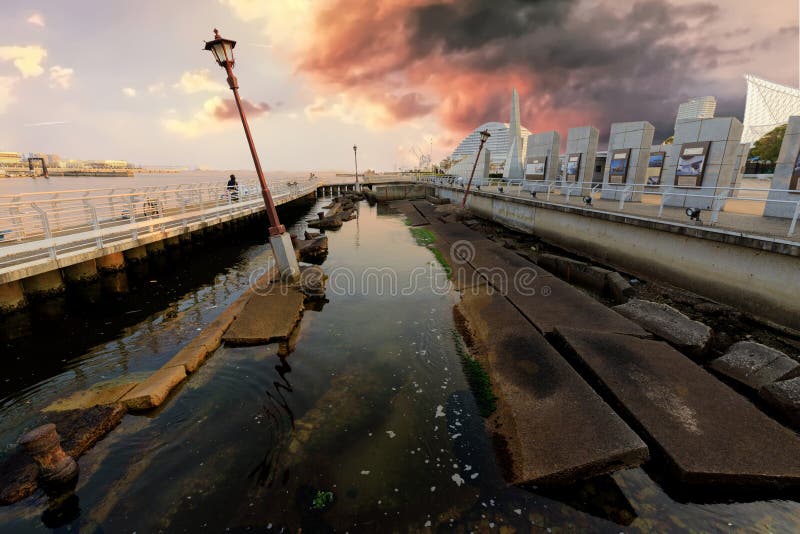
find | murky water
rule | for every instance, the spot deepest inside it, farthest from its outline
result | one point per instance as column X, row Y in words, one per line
column 367, row 402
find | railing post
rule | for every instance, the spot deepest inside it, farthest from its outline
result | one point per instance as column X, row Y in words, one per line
column 664, row 196
column 622, row 197
column 96, row 226
column 17, row 219
column 132, row 212
column 794, row 219
column 717, row 206
column 48, row 235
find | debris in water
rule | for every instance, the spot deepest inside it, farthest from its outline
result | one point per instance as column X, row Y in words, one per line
column 433, row 488
column 440, row 411
column 322, row 500
column 457, row 479
column 364, row 472
column 390, row 434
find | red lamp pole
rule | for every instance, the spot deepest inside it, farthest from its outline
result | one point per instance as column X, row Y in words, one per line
column 484, row 136
column 223, row 52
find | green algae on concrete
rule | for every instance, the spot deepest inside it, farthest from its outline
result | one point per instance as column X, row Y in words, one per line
column 425, row 238
column 478, row 379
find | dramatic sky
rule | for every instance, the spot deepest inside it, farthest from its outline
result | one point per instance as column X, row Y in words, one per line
column 129, row 80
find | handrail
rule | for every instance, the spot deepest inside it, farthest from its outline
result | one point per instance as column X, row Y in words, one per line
column 717, row 200
column 70, row 222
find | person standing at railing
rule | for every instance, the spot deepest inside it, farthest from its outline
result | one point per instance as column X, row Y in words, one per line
column 233, row 188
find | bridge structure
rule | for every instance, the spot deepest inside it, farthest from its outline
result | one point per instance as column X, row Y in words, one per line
column 48, row 239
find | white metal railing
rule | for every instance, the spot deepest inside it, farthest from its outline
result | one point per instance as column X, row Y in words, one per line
column 715, row 200
column 41, row 226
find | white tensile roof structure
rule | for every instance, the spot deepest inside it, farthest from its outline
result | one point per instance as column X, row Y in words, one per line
column 768, row 105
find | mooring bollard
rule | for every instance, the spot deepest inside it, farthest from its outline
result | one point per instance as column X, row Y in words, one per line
column 57, row 471
column 321, row 215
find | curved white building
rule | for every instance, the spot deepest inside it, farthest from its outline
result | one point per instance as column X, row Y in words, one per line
column 498, row 144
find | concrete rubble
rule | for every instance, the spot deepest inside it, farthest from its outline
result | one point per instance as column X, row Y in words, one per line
column 754, row 365
column 785, row 397
column 669, row 324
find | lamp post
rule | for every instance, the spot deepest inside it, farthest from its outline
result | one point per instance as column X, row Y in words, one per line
column 485, row 135
column 355, row 157
column 278, row 238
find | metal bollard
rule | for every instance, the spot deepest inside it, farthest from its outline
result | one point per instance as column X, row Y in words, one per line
column 57, row 471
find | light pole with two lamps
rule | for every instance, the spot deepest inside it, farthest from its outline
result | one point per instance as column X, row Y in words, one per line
column 485, row 135
column 278, row 237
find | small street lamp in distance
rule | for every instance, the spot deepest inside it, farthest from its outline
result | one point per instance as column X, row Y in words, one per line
column 355, row 156
column 278, row 237
column 485, row 135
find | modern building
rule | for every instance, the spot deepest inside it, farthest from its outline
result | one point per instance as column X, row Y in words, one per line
column 499, row 144
column 463, row 167
column 697, row 108
column 768, row 105
column 10, row 158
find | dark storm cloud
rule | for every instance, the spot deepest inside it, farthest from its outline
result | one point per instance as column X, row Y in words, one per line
column 575, row 62
column 635, row 66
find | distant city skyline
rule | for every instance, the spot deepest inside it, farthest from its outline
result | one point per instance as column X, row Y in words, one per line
column 130, row 81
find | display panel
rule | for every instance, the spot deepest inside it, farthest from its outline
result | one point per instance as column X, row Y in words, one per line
column 655, row 166
column 618, row 166
column 534, row 168
column 691, row 164
column 573, row 167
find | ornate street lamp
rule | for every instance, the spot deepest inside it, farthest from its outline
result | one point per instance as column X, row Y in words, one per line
column 279, row 239
column 485, row 135
column 355, row 156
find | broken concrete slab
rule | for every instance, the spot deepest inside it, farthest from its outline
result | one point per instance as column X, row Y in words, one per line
column 313, row 250
column 558, row 430
column 574, row 271
column 99, row 394
column 544, row 299
column 427, row 210
column 327, row 223
column 412, row 215
column 669, row 324
column 152, row 392
column 266, row 317
column 785, row 397
column 192, row 355
column 755, row 365
column 79, row 431
column 709, row 434
column 618, row 288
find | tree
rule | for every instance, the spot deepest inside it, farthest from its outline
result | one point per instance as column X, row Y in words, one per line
column 768, row 147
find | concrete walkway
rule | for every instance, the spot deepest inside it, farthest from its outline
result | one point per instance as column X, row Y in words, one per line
column 746, row 219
